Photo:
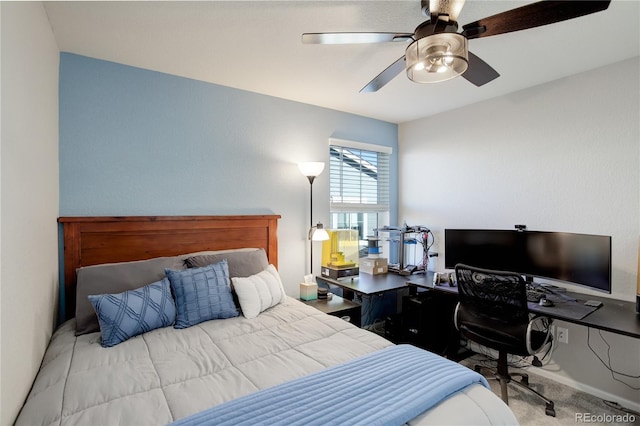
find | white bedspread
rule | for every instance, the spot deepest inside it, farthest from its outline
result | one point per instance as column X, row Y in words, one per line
column 168, row 374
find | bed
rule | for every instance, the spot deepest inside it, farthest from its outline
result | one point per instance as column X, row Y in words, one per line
column 263, row 358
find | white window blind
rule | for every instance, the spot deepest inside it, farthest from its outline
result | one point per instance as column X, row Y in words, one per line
column 359, row 178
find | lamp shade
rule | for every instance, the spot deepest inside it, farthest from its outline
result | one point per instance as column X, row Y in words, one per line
column 311, row 169
column 436, row 58
column 318, row 233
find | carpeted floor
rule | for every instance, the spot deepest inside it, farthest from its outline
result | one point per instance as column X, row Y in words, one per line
column 571, row 406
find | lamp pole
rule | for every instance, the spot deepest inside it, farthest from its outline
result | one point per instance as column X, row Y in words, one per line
column 311, row 179
column 311, row 170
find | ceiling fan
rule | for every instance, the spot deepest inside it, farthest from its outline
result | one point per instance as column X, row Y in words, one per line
column 437, row 52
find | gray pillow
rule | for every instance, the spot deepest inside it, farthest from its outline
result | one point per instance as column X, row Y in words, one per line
column 114, row 278
column 241, row 263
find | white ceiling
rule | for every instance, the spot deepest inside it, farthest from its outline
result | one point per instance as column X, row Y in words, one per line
column 256, row 46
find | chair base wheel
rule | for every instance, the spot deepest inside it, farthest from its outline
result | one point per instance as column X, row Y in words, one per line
column 549, row 410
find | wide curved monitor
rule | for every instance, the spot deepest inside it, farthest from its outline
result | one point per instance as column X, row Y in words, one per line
column 574, row 258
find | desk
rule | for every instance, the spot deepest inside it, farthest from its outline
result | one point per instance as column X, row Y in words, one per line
column 367, row 286
column 615, row 316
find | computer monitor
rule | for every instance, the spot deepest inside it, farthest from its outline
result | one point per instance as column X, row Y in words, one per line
column 574, row 258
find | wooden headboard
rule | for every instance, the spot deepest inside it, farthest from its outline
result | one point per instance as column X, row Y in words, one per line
column 95, row 240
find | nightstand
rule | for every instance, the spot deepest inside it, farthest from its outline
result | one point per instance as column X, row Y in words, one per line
column 338, row 307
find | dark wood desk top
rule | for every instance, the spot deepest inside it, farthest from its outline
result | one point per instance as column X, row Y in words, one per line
column 615, row 316
column 370, row 284
column 426, row 281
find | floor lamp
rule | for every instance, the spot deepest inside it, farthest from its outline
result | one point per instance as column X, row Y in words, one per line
column 316, row 233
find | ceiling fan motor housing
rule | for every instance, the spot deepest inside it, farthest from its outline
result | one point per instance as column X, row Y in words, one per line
column 437, row 57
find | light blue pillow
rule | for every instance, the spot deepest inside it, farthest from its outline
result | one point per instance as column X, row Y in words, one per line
column 124, row 315
column 202, row 294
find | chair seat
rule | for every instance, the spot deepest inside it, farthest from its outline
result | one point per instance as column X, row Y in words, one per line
column 510, row 338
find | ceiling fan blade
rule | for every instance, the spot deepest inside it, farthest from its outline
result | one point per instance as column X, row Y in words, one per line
column 354, row 38
column 385, row 76
column 531, row 16
column 479, row 72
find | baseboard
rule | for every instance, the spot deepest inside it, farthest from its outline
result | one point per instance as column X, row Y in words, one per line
column 599, row 393
column 632, row 405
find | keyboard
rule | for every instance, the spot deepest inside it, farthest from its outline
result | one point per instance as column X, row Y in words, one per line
column 534, row 296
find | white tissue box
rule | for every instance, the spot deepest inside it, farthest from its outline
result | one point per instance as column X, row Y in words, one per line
column 308, row 291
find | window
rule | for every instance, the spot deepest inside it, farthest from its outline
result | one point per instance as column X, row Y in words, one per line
column 359, row 187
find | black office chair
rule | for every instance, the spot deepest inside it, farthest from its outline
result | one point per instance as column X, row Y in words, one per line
column 492, row 311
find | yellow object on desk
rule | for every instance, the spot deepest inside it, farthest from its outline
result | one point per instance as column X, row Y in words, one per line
column 341, row 249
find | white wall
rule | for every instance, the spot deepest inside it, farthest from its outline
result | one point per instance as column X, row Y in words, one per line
column 564, row 156
column 29, row 194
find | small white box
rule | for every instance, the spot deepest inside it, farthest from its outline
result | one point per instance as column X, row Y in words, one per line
column 373, row 266
column 308, row 291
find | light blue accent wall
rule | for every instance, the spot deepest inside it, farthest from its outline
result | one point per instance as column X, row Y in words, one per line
column 139, row 142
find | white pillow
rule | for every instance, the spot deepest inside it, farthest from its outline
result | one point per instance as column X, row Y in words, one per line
column 259, row 292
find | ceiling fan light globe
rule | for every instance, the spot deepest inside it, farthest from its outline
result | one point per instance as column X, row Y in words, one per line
column 436, row 58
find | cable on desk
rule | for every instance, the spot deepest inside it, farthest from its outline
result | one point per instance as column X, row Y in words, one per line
column 607, row 364
column 423, row 239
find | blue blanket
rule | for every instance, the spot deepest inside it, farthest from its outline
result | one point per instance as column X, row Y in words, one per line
column 387, row 387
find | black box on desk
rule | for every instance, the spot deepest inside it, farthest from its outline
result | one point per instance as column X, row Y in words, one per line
column 336, row 273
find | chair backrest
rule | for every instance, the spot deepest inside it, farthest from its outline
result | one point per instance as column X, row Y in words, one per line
column 493, row 295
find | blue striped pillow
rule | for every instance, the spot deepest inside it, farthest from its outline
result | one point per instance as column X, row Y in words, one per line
column 202, row 294
column 124, row 315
